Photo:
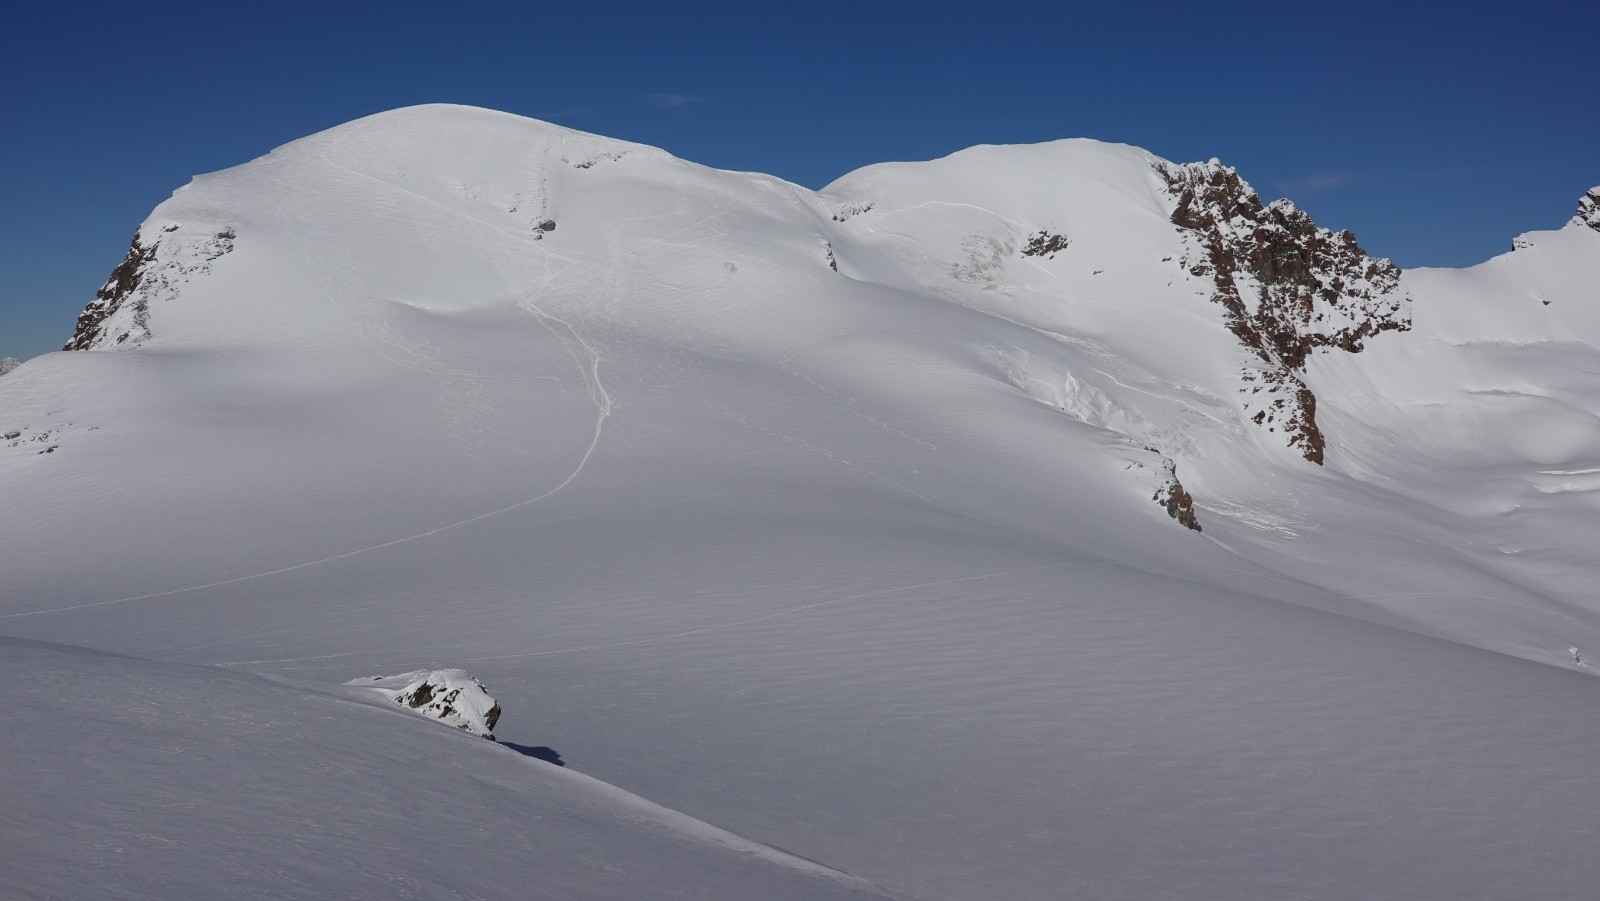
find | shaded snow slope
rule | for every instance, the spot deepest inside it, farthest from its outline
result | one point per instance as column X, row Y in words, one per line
column 127, row 778
column 845, row 519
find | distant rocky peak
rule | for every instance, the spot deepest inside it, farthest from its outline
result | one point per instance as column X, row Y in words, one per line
column 1589, row 209
column 1287, row 288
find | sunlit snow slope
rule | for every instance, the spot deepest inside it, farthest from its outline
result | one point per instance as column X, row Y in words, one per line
column 858, row 522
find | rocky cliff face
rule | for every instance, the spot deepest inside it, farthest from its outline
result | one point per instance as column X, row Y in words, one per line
column 153, row 271
column 119, row 288
column 1287, row 287
column 1589, row 209
column 8, row 364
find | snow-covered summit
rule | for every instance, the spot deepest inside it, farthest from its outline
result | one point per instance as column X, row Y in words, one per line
column 1213, row 339
column 959, row 502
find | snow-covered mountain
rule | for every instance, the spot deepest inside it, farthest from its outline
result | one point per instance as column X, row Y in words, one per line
column 1042, row 521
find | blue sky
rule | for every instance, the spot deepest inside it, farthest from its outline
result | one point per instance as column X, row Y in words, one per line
column 1435, row 131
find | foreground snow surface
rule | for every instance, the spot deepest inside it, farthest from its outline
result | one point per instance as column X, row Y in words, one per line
column 127, row 778
column 825, row 518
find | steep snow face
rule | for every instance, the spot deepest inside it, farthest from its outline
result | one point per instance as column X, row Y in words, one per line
column 1485, row 415
column 854, row 520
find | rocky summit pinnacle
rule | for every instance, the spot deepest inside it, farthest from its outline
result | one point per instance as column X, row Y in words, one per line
column 1287, row 288
column 1589, row 209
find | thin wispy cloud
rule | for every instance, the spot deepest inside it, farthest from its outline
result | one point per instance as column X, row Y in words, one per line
column 1456, row 172
column 1316, row 184
column 666, row 100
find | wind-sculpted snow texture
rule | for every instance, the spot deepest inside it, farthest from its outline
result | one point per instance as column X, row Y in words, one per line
column 852, row 521
column 127, row 778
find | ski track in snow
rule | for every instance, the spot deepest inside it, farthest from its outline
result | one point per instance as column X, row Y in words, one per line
column 364, row 313
column 572, row 341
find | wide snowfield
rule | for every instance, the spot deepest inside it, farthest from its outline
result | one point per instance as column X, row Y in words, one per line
column 826, row 518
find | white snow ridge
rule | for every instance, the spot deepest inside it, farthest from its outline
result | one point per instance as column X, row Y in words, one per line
column 1039, row 522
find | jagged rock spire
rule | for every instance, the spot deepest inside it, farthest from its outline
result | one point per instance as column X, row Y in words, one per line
column 1589, row 209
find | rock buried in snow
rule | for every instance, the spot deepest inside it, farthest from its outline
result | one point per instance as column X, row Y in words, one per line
column 449, row 695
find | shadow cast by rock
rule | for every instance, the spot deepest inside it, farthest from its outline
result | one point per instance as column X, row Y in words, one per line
column 548, row 755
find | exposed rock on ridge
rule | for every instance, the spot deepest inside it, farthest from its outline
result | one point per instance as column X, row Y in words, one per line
column 1287, row 288
column 120, row 311
column 112, row 296
column 1589, row 209
column 8, row 364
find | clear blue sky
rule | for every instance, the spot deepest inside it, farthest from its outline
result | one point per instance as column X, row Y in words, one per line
column 1435, row 131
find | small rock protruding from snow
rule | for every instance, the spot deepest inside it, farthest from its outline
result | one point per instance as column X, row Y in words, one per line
column 449, row 695
column 8, row 364
column 1589, row 209
column 1044, row 243
column 1178, row 502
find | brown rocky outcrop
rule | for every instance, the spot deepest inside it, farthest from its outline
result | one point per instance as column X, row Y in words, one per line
column 119, row 287
column 149, row 271
column 1175, row 498
column 1287, row 288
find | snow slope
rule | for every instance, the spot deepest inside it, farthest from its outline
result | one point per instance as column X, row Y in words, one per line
column 845, row 520
column 127, row 778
